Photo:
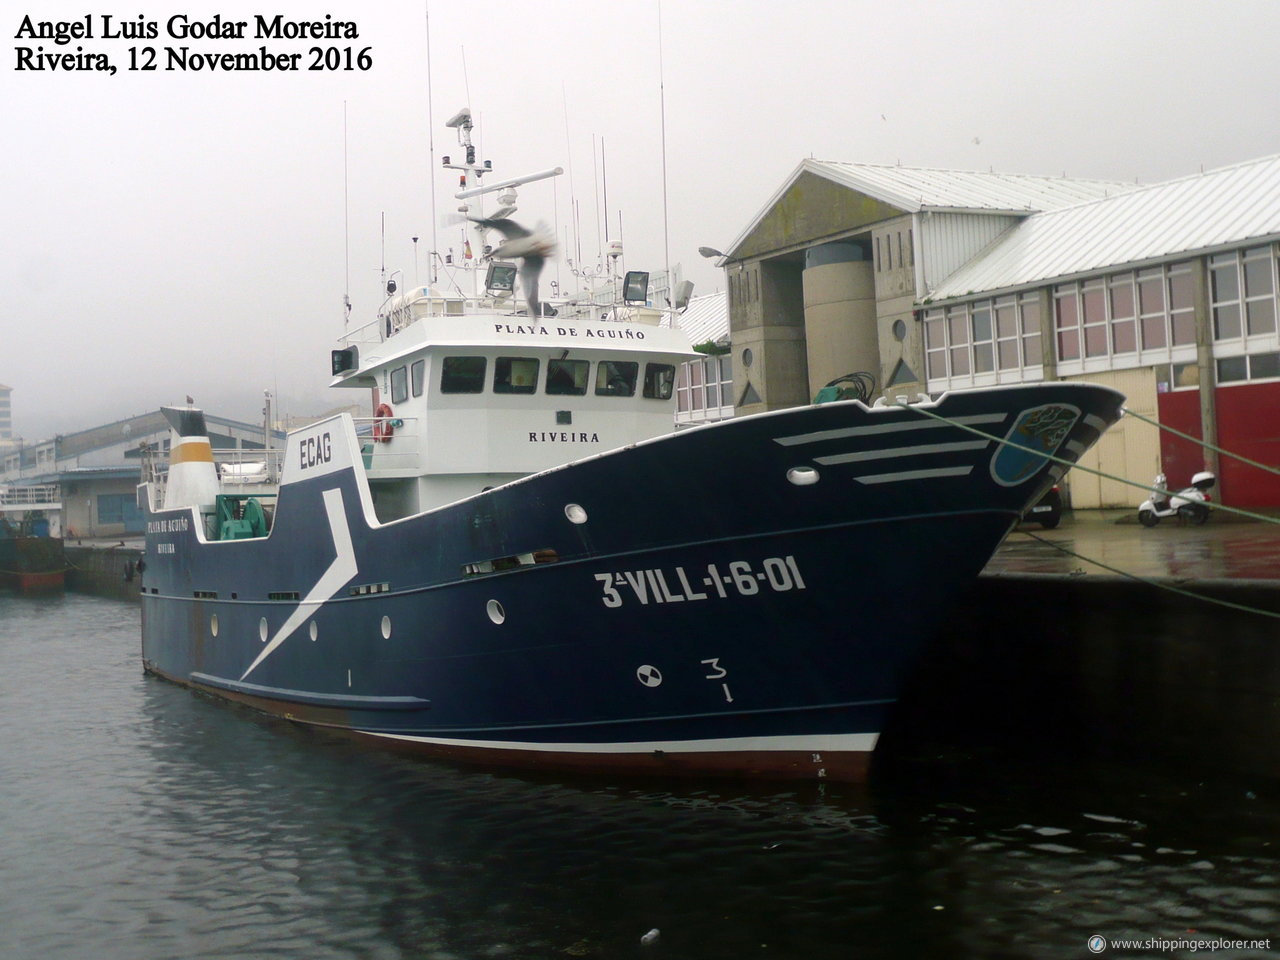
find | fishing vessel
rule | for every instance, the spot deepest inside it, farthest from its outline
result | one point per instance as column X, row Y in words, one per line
column 31, row 557
column 518, row 561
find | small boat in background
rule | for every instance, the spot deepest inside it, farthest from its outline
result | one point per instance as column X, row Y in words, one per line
column 31, row 557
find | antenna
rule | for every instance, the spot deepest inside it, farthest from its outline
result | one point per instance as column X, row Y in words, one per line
column 555, row 211
column 576, row 247
column 662, row 101
column 431, row 155
column 346, row 225
column 595, row 159
column 604, row 181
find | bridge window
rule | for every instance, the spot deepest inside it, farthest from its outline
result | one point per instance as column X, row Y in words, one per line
column 659, row 379
column 399, row 384
column 462, row 375
column 417, row 374
column 567, row 377
column 515, row 375
column 616, row 378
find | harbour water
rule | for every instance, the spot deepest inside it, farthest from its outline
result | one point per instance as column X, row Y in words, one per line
column 142, row 821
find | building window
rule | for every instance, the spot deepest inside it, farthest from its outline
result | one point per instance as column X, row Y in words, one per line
column 1264, row 366
column 1242, row 295
column 980, row 323
column 988, row 341
column 1154, row 326
column 958, row 338
column 1182, row 308
column 1124, row 330
column 1258, row 267
column 1256, row 366
column 1094, row 315
column 1118, row 320
column 1224, row 287
column 1032, row 352
column 1233, row 368
column 1242, row 289
column 1067, row 322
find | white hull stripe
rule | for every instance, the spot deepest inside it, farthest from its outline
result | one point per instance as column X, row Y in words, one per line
column 817, row 743
column 915, row 475
column 879, row 428
column 1095, row 421
column 890, row 452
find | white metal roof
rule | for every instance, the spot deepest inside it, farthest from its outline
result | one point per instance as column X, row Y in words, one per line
column 1223, row 207
column 707, row 318
column 912, row 189
column 921, row 188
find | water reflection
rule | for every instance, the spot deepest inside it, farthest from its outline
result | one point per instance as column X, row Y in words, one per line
column 143, row 821
column 1230, row 550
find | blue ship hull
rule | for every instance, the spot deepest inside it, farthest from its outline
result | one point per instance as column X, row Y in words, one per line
column 679, row 606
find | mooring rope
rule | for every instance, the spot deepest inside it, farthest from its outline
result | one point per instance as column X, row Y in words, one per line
column 1151, row 582
column 1003, row 441
column 1204, row 443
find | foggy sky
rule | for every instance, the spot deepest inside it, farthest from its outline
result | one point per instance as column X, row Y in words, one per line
column 172, row 233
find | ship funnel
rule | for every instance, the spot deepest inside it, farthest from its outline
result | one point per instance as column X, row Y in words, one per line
column 193, row 479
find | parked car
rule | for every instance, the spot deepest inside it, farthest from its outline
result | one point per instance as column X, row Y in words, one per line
column 1048, row 509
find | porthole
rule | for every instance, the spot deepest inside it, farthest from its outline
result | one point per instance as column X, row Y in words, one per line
column 747, row 357
column 575, row 513
column 262, row 629
column 386, row 628
column 314, row 631
column 899, row 330
column 213, row 625
column 495, row 611
column 803, row 476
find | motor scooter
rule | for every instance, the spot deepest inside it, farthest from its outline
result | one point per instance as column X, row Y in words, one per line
column 1188, row 504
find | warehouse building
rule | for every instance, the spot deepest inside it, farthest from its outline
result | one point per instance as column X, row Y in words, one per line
column 935, row 280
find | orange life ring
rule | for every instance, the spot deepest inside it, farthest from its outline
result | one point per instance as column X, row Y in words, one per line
column 383, row 426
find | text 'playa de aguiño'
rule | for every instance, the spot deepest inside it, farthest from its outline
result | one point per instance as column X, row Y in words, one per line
column 183, row 58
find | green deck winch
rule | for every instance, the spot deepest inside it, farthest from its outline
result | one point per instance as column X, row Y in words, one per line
column 240, row 517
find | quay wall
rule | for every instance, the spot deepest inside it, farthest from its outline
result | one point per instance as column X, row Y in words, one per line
column 1050, row 665
column 103, row 571
column 1107, row 667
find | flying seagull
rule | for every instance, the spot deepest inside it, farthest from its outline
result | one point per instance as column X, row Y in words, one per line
column 531, row 248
